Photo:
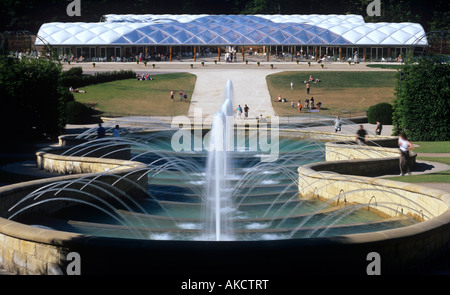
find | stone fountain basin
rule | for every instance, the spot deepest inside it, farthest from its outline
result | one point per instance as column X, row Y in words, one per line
column 30, row 250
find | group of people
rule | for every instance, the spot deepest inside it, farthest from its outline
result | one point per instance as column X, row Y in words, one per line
column 404, row 144
column 230, row 56
column 241, row 110
column 183, row 95
column 101, row 131
column 143, row 77
column 309, row 104
column 76, row 90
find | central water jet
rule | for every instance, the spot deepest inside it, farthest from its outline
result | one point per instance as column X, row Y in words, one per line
column 218, row 192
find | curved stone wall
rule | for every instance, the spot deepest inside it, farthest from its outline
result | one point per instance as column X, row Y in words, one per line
column 26, row 249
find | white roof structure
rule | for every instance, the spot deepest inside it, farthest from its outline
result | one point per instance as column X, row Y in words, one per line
column 150, row 29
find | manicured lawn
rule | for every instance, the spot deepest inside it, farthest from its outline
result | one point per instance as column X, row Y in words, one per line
column 385, row 66
column 444, row 160
column 441, row 177
column 432, row 147
column 141, row 98
column 340, row 92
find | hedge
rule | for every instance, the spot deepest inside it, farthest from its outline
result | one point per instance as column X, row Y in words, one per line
column 380, row 112
column 75, row 78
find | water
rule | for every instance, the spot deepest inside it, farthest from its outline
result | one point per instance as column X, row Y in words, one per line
column 224, row 191
column 218, row 191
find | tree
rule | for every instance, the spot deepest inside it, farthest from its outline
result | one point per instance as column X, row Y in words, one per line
column 31, row 14
column 422, row 104
column 33, row 100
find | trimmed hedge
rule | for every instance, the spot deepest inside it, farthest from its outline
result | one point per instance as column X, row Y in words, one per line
column 380, row 112
column 78, row 113
column 75, row 78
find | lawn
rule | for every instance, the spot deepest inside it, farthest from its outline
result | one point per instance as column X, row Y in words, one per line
column 343, row 93
column 439, row 177
column 140, row 98
column 385, row 66
column 430, row 147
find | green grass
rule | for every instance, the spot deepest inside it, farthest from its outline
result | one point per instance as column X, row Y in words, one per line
column 443, row 160
column 140, row 98
column 337, row 80
column 439, row 177
column 339, row 92
column 432, row 147
column 385, row 66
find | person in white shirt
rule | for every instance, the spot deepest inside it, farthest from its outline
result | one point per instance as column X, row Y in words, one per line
column 405, row 146
column 337, row 124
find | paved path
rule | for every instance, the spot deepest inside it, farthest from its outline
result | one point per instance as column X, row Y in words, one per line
column 249, row 81
column 249, row 87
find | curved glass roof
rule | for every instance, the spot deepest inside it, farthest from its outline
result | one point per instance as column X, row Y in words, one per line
column 150, row 29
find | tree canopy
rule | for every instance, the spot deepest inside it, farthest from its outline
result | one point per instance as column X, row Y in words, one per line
column 31, row 14
column 422, row 105
column 33, row 100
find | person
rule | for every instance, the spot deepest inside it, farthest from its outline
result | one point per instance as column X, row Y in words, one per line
column 76, row 90
column 355, row 57
column 172, row 93
column 279, row 98
column 307, row 88
column 262, row 119
column 181, row 95
column 239, row 112
column 378, row 128
column 246, row 108
column 100, row 131
column 299, row 106
column 292, row 104
column 312, row 103
column 116, row 131
column 361, row 135
column 405, row 146
column 292, row 85
column 337, row 124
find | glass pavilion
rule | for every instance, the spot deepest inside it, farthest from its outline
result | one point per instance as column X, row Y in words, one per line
column 287, row 37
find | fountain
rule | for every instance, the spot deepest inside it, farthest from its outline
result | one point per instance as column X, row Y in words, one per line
column 218, row 189
column 220, row 208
